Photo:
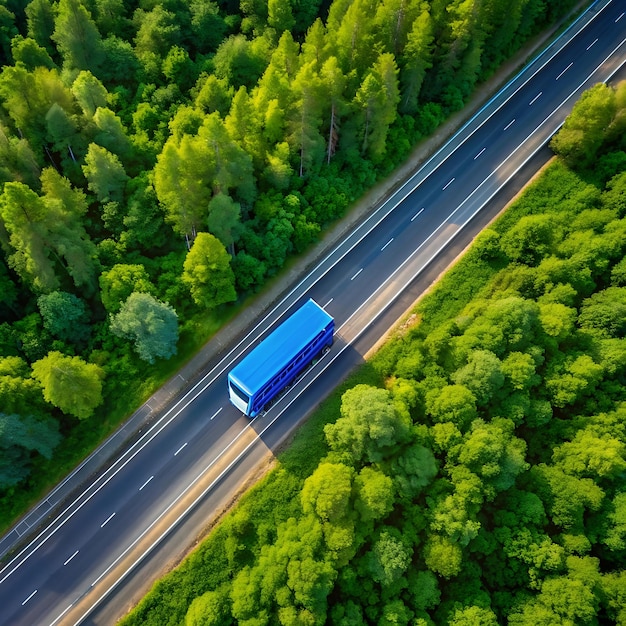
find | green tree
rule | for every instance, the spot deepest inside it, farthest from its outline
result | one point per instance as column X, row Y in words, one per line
column 530, row 239
column 305, row 123
column 207, row 24
column 584, row 129
column 333, row 82
column 89, row 92
column 119, row 282
column 19, row 393
column 369, row 429
column 105, row 174
column 280, row 16
column 207, row 272
column 327, row 492
column 28, row 53
column 416, row 60
column 452, row 403
column 443, row 556
column 482, row 375
column 389, row 557
column 152, row 326
column 472, row 616
column 69, row 383
column 376, row 101
column 224, row 219
column 19, row 438
column 605, row 312
column 40, row 22
column 375, row 494
column 77, row 37
column 491, row 451
column 241, row 61
column 157, row 31
column 111, row 133
column 210, row 609
column 188, row 173
column 65, row 316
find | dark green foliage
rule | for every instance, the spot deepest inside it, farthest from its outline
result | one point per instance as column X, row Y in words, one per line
column 19, row 438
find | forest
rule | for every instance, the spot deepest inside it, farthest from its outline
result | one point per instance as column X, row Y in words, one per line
column 160, row 161
column 472, row 472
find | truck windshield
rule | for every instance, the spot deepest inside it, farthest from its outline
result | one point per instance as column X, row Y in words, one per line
column 240, row 394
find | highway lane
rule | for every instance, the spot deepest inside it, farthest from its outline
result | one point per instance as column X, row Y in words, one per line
column 41, row 585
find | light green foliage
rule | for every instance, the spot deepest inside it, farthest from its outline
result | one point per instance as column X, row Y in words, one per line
column 572, row 378
column 280, row 16
column 305, row 136
column 19, row 393
column 240, row 61
column 566, row 497
column 584, row 129
column 158, row 30
column 519, row 369
column 605, row 312
column 452, row 403
column 417, row 59
column 120, row 281
column 207, row 272
column 46, row 233
column 70, row 383
column 179, row 69
column 592, row 456
column 17, row 160
column 105, row 174
column 89, row 92
column 369, row 428
column 443, row 556
column 289, row 579
column 111, row 133
column 615, row 537
column 327, row 492
column 377, row 100
column 214, row 95
column 210, row 609
column 389, row 558
column 492, row 452
column 530, row 239
column 29, row 53
column 375, row 494
column 188, row 173
column 472, row 616
column 482, row 375
column 224, row 219
column 28, row 96
column 152, row 326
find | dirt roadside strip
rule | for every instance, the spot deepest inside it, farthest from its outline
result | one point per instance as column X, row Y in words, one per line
column 112, row 447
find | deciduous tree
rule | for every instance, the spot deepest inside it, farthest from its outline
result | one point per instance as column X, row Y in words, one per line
column 207, row 272
column 151, row 325
column 70, row 383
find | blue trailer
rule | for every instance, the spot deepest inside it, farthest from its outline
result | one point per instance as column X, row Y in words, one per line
column 280, row 357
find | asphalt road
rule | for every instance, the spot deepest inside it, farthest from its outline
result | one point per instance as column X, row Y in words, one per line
column 192, row 460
